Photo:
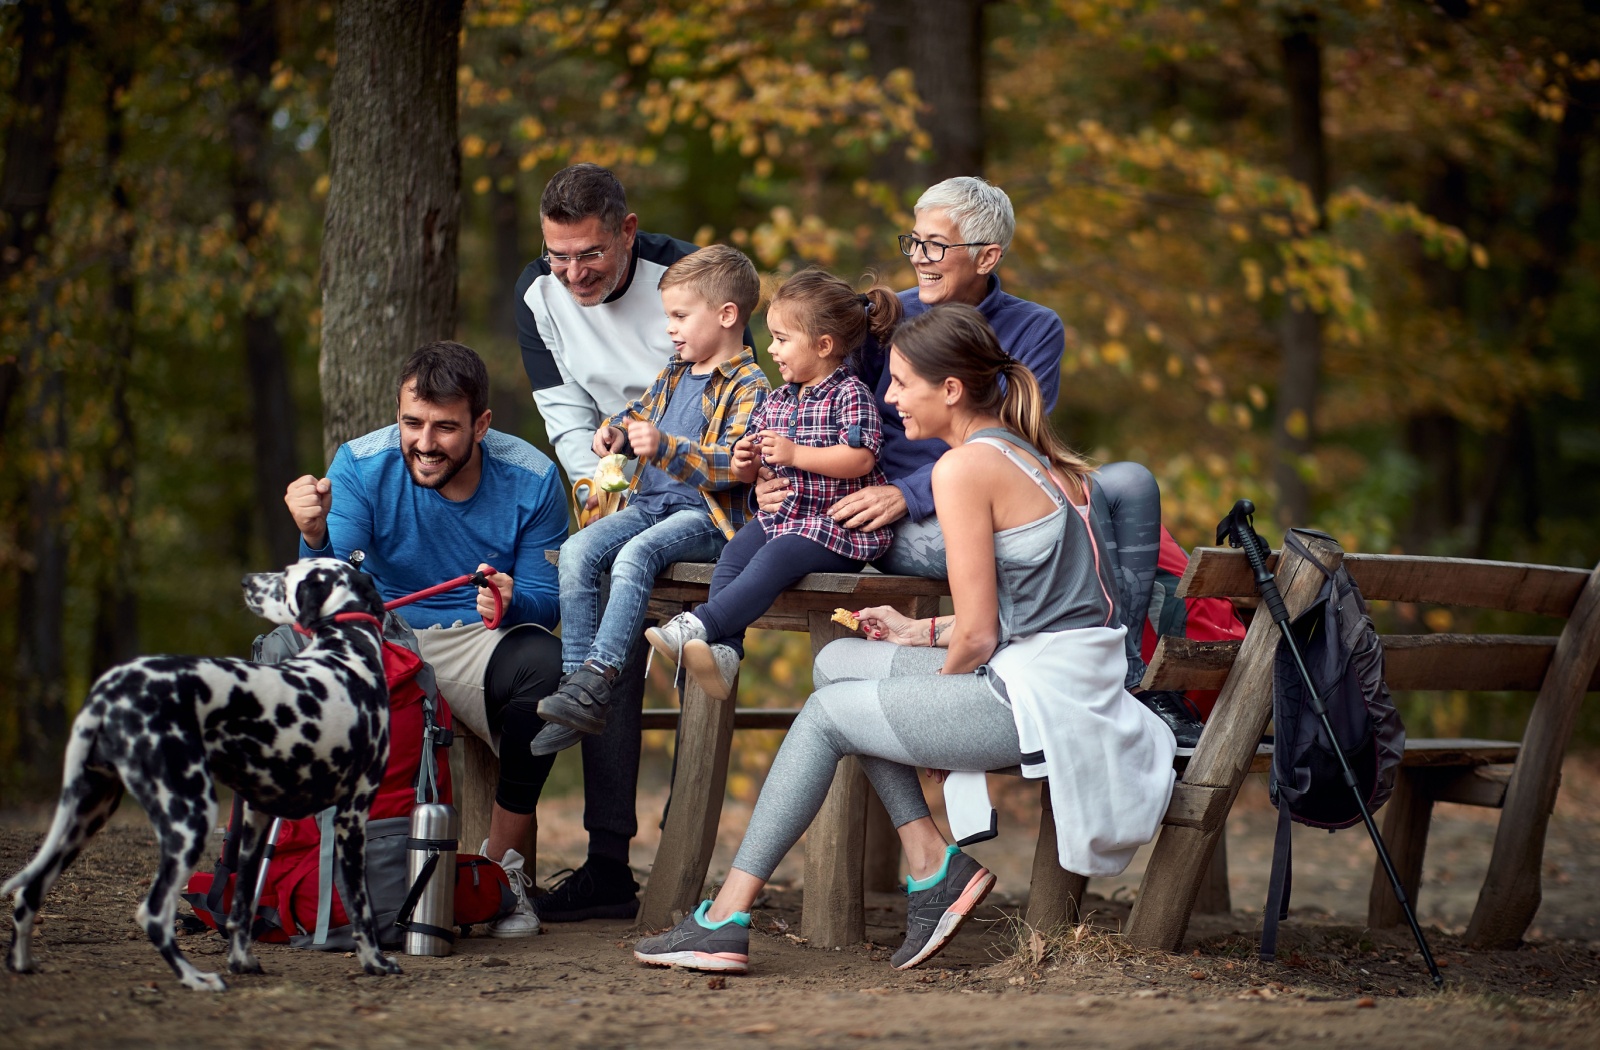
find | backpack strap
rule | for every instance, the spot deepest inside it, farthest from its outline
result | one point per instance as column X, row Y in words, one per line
column 1291, row 540
column 1278, row 884
column 324, row 876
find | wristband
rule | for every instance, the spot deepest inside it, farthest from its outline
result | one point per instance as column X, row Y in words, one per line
column 933, row 626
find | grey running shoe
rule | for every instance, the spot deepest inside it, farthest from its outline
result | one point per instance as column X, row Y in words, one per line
column 691, row 946
column 669, row 638
column 714, row 667
column 580, row 701
column 553, row 738
column 933, row 915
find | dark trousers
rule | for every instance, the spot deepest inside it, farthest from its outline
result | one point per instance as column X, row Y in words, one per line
column 752, row 572
column 524, row 669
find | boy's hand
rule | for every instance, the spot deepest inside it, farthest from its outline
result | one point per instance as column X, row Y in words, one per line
column 309, row 500
column 607, row 440
column 645, row 438
column 777, row 449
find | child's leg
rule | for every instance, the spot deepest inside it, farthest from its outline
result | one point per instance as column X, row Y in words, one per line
column 688, row 535
column 776, row 565
column 586, row 554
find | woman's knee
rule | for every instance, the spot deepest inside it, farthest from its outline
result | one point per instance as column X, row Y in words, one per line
column 1128, row 482
column 842, row 660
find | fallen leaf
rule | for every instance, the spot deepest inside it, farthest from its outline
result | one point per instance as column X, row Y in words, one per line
column 759, row 1028
column 717, row 983
column 1198, row 975
column 1366, row 1002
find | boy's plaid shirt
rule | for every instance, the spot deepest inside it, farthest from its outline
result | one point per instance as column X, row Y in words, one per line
column 736, row 389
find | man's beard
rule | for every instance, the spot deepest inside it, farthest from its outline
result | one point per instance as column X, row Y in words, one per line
column 601, row 291
column 439, row 481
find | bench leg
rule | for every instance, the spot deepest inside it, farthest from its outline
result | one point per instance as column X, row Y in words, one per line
column 678, row 876
column 834, row 912
column 1405, row 833
column 1214, row 897
column 474, row 781
column 881, row 869
column 1055, row 895
column 1511, row 891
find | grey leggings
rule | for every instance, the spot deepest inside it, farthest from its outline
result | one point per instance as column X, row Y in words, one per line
column 888, row 704
column 1127, row 507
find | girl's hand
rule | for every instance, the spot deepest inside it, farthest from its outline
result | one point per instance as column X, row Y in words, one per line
column 886, row 623
column 777, row 449
column 744, row 455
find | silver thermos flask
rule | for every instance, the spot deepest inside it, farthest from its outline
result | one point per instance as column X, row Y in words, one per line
column 434, row 829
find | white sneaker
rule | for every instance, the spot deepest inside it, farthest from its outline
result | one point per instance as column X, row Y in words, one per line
column 713, row 667
column 669, row 638
column 524, row 921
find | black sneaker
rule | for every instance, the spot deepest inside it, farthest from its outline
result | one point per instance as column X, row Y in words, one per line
column 693, row 945
column 1180, row 715
column 580, row 701
column 934, row 914
column 594, row 891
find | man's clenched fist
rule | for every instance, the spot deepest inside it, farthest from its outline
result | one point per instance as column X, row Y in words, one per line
column 309, row 499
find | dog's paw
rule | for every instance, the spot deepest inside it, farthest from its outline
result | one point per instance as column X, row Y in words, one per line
column 382, row 965
column 23, row 964
column 201, row 981
column 249, row 964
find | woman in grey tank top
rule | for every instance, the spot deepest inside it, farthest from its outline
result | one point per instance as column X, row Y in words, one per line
column 1025, row 565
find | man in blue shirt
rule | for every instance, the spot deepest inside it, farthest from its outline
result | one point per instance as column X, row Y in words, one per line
column 429, row 498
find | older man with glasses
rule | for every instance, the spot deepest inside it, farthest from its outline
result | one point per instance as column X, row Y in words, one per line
column 594, row 335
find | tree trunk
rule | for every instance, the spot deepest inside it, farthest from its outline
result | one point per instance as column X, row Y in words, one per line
column 389, row 246
column 1294, row 428
column 271, row 402
column 41, row 657
column 32, row 159
column 115, row 635
column 942, row 42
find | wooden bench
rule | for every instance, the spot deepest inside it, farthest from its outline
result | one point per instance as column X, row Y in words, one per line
column 1521, row 778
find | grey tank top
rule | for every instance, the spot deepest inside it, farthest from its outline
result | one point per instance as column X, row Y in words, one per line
column 1052, row 573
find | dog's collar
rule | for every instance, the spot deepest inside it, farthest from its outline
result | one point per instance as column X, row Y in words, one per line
column 345, row 617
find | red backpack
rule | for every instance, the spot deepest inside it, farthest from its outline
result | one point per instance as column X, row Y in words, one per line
column 1200, row 619
column 299, row 903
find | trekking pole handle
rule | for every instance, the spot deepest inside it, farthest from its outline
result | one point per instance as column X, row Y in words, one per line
column 1240, row 528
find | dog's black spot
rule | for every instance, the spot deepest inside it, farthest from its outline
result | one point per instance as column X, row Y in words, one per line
column 310, row 706
column 285, row 717
column 311, row 731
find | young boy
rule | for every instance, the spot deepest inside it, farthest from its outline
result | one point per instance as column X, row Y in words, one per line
column 686, row 502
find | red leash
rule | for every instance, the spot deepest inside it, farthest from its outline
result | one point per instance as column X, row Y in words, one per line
column 477, row 579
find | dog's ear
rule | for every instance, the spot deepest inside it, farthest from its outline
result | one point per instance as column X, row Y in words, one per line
column 366, row 590
column 311, row 596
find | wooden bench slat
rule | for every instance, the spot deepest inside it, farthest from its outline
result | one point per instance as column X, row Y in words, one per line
column 1478, row 786
column 865, row 583
column 1548, row 590
column 743, row 717
column 1484, row 662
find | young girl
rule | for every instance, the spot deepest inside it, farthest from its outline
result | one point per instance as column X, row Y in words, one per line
column 821, row 432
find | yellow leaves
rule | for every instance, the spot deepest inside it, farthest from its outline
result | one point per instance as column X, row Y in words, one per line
column 705, row 235
column 1116, row 321
column 1114, row 353
column 1480, row 256
column 1252, row 279
column 1258, row 396
column 481, row 185
column 1297, row 425
column 319, row 189
column 472, row 146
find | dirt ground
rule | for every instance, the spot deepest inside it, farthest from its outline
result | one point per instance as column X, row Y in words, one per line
column 100, row 983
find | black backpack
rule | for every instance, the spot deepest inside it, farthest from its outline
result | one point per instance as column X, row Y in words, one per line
column 1342, row 652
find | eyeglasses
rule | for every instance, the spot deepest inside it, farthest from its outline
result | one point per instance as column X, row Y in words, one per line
column 934, row 250
column 562, row 262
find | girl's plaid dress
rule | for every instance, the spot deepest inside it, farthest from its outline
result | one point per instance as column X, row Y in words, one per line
column 839, row 410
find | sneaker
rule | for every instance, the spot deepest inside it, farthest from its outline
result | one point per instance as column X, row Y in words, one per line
column 697, row 944
column 523, row 921
column 713, row 667
column 1180, row 716
column 669, row 638
column 554, row 738
column 580, row 701
column 594, row 891
column 936, row 909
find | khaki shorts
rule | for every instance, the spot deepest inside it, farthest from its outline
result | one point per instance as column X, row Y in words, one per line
column 459, row 657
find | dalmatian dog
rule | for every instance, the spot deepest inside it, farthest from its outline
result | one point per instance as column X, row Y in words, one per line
column 292, row 739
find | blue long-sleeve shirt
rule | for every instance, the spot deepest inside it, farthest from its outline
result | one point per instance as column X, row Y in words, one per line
column 1031, row 333
column 414, row 538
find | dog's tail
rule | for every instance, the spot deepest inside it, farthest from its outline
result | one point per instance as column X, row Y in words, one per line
column 84, row 731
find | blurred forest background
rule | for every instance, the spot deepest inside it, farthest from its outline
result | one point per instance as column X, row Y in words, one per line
column 1339, row 257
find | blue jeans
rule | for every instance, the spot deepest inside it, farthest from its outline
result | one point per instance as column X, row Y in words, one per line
column 635, row 547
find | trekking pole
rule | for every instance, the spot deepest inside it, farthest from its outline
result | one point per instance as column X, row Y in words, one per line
column 1239, row 528
column 261, row 876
